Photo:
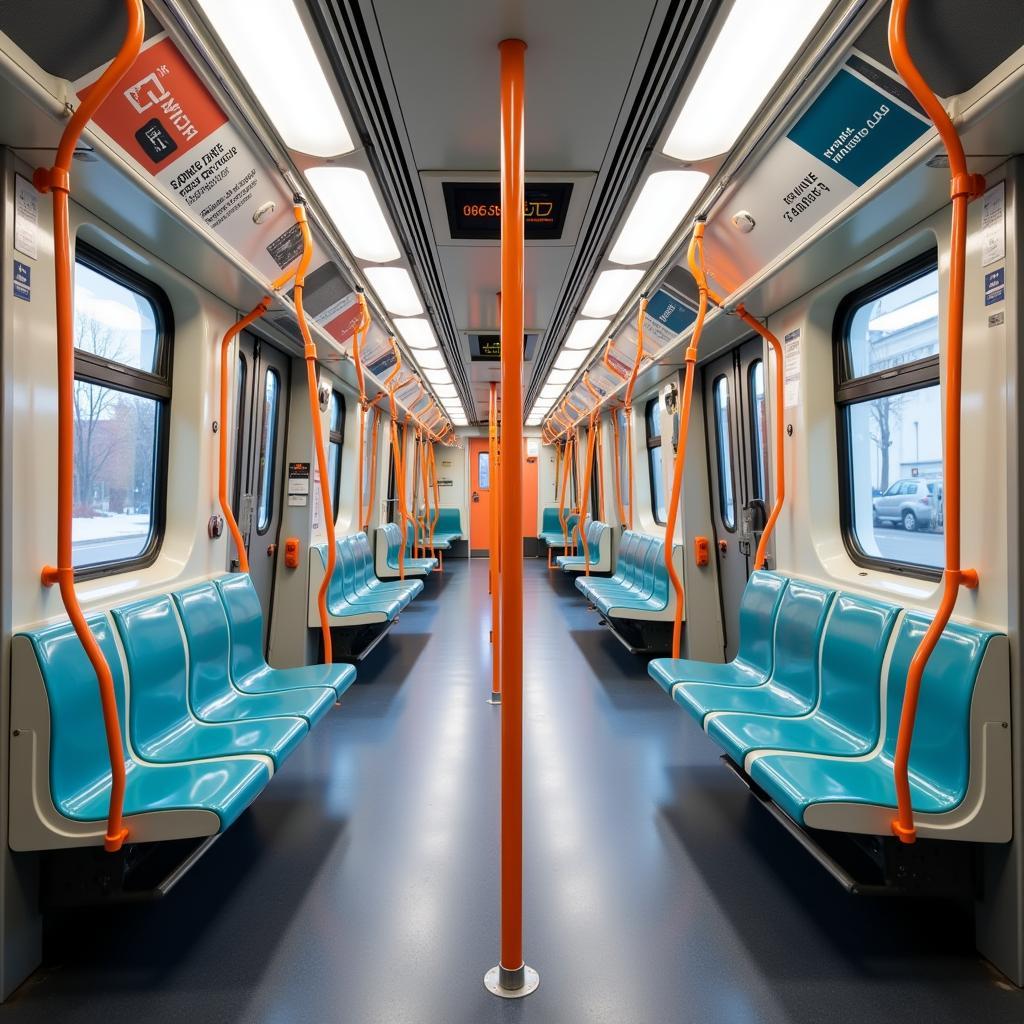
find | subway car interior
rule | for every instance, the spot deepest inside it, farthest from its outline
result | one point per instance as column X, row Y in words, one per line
column 511, row 511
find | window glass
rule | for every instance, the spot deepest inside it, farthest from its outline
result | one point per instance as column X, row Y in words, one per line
column 623, row 459
column 336, row 438
column 119, row 409
column 483, row 470
column 723, row 434
column 758, row 414
column 890, row 422
column 242, row 379
column 652, row 418
column 268, row 447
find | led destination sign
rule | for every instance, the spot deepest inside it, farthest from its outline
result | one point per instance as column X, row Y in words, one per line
column 474, row 209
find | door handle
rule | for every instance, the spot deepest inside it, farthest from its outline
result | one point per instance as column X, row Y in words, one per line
column 271, row 550
column 476, row 496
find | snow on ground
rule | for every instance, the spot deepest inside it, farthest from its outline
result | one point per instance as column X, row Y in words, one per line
column 96, row 528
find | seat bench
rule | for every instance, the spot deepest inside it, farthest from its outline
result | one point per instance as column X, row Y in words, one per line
column 810, row 710
column 551, row 534
column 598, row 537
column 205, row 721
column 386, row 547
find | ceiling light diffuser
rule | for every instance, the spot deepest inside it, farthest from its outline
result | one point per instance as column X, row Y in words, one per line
column 270, row 46
column 431, row 360
column 445, row 391
column 570, row 359
column 610, row 291
column 352, row 205
column 663, row 202
column 438, row 376
column 395, row 288
column 416, row 333
column 585, row 334
column 551, row 391
column 560, row 376
column 728, row 90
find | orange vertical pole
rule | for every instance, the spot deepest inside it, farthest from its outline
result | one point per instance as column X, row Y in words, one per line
column 512, row 977
column 963, row 188
column 495, row 545
column 57, row 180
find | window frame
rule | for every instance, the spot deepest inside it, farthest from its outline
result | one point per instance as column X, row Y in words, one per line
column 759, row 437
column 91, row 368
column 850, row 391
column 653, row 441
column 269, row 475
column 336, row 437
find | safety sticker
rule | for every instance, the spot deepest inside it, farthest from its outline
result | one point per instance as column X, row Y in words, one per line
column 791, row 368
column 995, row 286
column 993, row 225
column 22, row 281
column 26, row 217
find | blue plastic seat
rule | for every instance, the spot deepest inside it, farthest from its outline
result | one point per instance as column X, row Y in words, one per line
column 634, row 551
column 163, row 728
column 412, row 566
column 792, row 688
column 845, row 721
column 643, row 587
column 551, row 533
column 940, row 753
column 596, row 533
column 213, row 696
column 366, row 581
column 79, row 762
column 447, row 528
column 250, row 672
column 754, row 657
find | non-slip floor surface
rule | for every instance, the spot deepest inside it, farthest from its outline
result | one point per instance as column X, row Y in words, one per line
column 363, row 885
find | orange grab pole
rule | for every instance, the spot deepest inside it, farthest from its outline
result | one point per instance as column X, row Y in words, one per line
column 617, row 465
column 396, row 455
column 690, row 359
column 426, row 496
column 57, row 180
column 512, row 970
column 495, row 515
column 358, row 335
column 563, row 519
column 585, row 494
column 365, row 515
column 599, row 448
column 628, row 402
column 437, row 497
column 309, row 352
column 964, row 188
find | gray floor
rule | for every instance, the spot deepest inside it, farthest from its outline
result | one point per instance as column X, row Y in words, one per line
column 362, row 887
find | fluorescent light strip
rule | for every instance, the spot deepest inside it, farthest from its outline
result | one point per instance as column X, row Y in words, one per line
column 610, row 291
column 416, row 333
column 560, row 376
column 352, row 205
column 445, row 391
column 664, row 200
column 585, row 334
column 570, row 359
column 731, row 87
column 271, row 48
column 431, row 359
column 441, row 376
column 395, row 288
column 551, row 391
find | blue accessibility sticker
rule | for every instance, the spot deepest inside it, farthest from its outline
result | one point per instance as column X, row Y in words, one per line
column 21, row 292
column 23, row 274
column 995, row 290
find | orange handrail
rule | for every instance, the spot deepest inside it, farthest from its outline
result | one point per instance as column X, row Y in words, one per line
column 617, row 464
column 495, row 542
column 585, row 494
column 512, row 970
column 627, row 404
column 566, row 466
column 599, row 448
column 358, row 335
column 690, row 360
column 964, row 187
column 365, row 514
column 309, row 354
column 397, row 455
column 57, row 180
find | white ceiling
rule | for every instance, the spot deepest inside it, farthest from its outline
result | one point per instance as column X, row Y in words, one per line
column 442, row 56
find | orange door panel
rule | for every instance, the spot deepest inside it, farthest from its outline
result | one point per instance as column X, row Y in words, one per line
column 530, row 463
column 479, row 495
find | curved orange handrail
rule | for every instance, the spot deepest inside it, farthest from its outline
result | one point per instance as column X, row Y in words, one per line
column 963, row 188
column 397, row 453
column 309, row 354
column 617, row 464
column 57, row 180
column 627, row 404
column 358, row 335
column 585, row 494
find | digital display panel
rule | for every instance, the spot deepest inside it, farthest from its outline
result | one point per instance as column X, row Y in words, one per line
column 474, row 209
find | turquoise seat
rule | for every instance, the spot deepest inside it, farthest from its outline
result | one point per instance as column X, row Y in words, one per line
column 366, row 580
column 79, row 761
column 597, row 534
column 412, row 566
column 642, row 587
column 634, row 550
column 551, row 533
column 447, row 528
column 213, row 696
column 441, row 541
column 845, row 721
column 940, row 753
column 162, row 726
column 754, row 657
column 250, row 672
column 792, row 688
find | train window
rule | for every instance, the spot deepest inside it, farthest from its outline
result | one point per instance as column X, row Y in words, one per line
column 336, row 438
column 595, row 489
column 268, row 445
column 121, row 404
column 723, row 435
column 242, row 377
column 483, row 470
column 890, row 421
column 652, row 416
column 758, row 416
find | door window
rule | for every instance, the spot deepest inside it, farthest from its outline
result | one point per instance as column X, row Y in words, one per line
column 268, row 445
column 723, row 435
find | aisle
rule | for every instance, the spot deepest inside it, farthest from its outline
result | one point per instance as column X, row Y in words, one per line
column 362, row 887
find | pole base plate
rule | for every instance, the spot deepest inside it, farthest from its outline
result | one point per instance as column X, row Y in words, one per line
column 495, row 698
column 493, row 982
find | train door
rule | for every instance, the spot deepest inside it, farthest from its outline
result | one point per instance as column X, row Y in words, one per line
column 480, row 496
column 736, row 424
column 262, row 381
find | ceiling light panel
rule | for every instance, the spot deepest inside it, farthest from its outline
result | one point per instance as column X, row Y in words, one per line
column 437, row 376
column 664, row 200
column 585, row 334
column 551, row 391
column 729, row 89
column 271, row 48
column 396, row 290
column 560, row 376
column 431, row 360
column 570, row 359
column 416, row 333
column 352, row 205
column 610, row 291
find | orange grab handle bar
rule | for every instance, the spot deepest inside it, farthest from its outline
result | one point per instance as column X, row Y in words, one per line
column 357, row 339
column 617, row 464
column 964, row 188
column 57, row 180
column 397, row 455
column 585, row 493
column 562, row 518
column 309, row 350
column 365, row 514
column 628, row 404
column 437, row 497
column 690, row 360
